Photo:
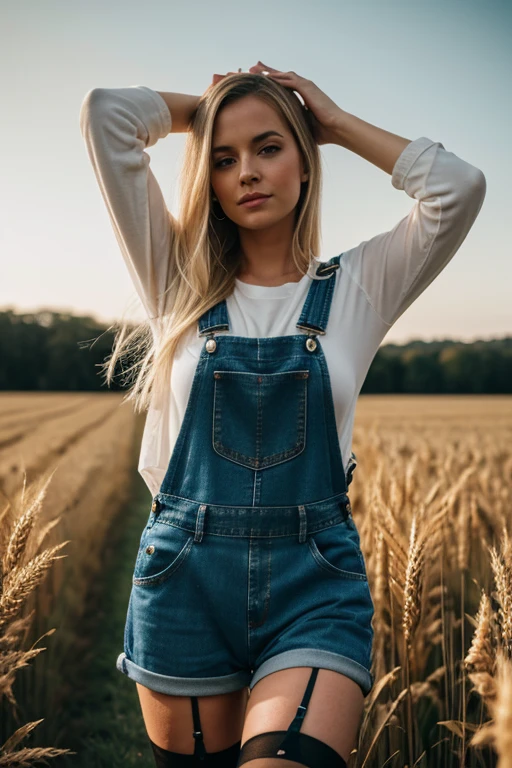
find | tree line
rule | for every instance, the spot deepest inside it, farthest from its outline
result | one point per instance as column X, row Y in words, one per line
column 56, row 351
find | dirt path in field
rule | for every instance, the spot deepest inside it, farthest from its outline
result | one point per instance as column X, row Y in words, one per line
column 102, row 721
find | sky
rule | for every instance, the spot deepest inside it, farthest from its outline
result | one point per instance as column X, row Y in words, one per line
column 440, row 69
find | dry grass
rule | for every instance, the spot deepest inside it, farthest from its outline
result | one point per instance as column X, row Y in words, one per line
column 65, row 464
column 432, row 497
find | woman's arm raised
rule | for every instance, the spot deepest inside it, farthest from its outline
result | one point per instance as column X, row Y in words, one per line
column 181, row 106
column 117, row 125
column 395, row 267
column 374, row 144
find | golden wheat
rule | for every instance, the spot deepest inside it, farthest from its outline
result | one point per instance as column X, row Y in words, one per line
column 432, row 494
column 65, row 469
column 432, row 499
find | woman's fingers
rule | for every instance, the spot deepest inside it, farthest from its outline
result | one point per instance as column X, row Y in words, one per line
column 217, row 78
column 266, row 67
column 258, row 69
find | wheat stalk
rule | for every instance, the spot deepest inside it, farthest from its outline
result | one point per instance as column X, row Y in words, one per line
column 503, row 581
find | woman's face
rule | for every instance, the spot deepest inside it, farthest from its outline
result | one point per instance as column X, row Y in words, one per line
column 271, row 165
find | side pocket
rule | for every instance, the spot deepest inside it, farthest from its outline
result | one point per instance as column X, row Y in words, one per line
column 164, row 548
column 336, row 550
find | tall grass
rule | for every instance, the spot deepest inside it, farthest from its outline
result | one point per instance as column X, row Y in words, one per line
column 432, row 497
column 432, row 502
column 84, row 444
column 18, row 580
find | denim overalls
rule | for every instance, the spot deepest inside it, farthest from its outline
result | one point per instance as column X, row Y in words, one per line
column 250, row 561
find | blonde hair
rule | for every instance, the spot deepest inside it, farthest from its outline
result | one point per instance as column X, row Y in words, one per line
column 204, row 255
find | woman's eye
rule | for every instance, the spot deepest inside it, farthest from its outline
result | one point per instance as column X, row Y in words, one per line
column 271, row 146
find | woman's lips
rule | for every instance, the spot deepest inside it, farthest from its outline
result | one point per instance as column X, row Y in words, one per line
column 254, row 203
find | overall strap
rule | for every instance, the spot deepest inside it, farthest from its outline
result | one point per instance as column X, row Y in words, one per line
column 214, row 319
column 316, row 308
column 315, row 311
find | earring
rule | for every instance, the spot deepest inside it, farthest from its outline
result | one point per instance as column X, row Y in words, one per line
column 214, row 199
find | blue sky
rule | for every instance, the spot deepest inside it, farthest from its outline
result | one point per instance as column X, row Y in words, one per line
column 440, row 69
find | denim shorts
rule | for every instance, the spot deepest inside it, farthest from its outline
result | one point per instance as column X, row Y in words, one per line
column 223, row 596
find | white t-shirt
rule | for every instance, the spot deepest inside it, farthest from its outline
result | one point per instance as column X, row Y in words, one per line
column 377, row 280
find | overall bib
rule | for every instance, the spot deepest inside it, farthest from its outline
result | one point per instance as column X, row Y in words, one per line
column 250, row 561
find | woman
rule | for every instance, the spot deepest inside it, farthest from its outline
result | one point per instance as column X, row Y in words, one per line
column 249, row 572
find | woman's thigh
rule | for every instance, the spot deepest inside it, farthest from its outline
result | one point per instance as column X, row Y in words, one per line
column 333, row 714
column 169, row 723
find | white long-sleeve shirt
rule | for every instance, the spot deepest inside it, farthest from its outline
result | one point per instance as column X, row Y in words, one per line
column 378, row 279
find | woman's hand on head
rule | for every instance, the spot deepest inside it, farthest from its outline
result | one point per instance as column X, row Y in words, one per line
column 325, row 113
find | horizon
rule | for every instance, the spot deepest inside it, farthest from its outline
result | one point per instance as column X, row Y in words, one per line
column 88, row 315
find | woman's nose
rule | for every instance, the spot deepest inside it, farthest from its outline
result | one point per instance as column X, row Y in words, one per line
column 247, row 172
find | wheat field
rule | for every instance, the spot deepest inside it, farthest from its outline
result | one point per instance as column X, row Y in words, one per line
column 432, row 501
column 431, row 497
column 66, row 461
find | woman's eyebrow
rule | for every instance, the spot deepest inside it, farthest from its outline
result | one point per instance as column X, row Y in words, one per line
column 255, row 140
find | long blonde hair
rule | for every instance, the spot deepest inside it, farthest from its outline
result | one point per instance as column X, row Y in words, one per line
column 204, row 254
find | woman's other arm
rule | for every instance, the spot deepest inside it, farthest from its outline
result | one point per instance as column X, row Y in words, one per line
column 117, row 125
column 181, row 106
column 393, row 268
column 374, row 144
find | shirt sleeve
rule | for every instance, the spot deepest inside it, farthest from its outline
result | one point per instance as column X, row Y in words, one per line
column 395, row 267
column 117, row 124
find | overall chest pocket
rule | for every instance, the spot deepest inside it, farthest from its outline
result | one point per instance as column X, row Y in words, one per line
column 259, row 419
